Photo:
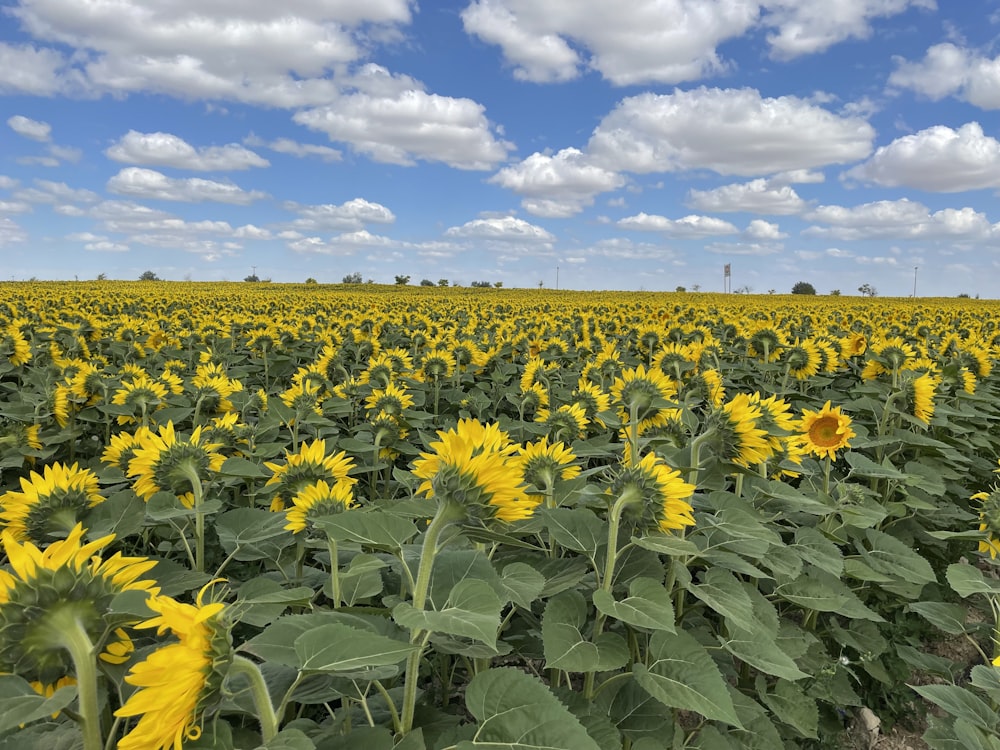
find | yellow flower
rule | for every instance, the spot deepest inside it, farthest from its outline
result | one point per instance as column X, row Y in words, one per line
column 47, row 690
column 311, row 464
column 68, row 579
column 392, row 400
column 122, row 448
column 15, row 346
column 541, row 463
column 49, row 502
column 303, row 398
column 179, row 682
column 989, row 521
column 918, row 396
column 472, row 466
column 592, row 399
column 826, row 431
column 662, row 495
column 802, row 360
column 740, row 438
column 315, row 500
column 568, row 422
column 164, row 462
column 142, row 395
column 644, row 391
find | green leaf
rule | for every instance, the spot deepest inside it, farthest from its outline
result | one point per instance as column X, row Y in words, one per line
column 683, row 675
column 517, row 712
column 289, row 739
column 164, row 506
column 721, row 591
column 862, row 466
column 947, row 617
column 341, row 648
column 20, row 704
column 260, row 601
column 276, row 643
column 636, row 713
column 825, row 593
column 792, row 706
column 361, row 579
column 966, row 580
column 759, row 651
column 647, row 606
column 121, row 515
column 252, row 533
column 960, row 703
column 987, row 679
column 236, row 466
column 815, row 548
column 667, row 544
column 472, row 611
column 564, row 644
column 452, row 566
column 578, row 529
column 890, row 556
column 760, row 733
column 375, row 528
column 522, row 583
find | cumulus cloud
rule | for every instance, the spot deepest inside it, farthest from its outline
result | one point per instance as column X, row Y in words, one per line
column 758, row 229
column 294, row 148
column 730, row 131
column 759, row 196
column 11, row 232
column 808, row 26
column 33, row 129
column 343, row 244
column 900, row 219
column 950, row 70
column 351, row 215
column 152, row 185
column 26, row 69
column 686, row 227
column 501, row 229
column 938, row 159
column 168, row 150
column 413, row 126
column 557, row 186
column 48, row 191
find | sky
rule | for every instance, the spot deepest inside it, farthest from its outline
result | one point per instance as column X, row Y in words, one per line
column 578, row 144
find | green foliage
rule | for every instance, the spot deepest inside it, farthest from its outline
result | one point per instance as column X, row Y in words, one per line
column 402, row 280
column 149, row 276
column 803, row 287
column 353, row 278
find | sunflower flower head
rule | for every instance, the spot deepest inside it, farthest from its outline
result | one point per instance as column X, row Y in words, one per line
column 49, row 503
column 568, row 422
column 14, row 346
column 593, row 400
column 392, row 400
column 918, row 396
column 642, row 393
column 738, row 436
column 473, row 467
column 542, row 463
column 311, row 464
column 989, row 521
column 660, row 495
column 165, row 462
column 316, row 500
column 122, row 448
column 48, row 589
column 388, row 432
column 141, row 395
column 803, row 360
column 180, row 682
column 826, row 431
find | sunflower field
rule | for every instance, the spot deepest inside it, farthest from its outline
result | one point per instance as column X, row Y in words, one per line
column 328, row 517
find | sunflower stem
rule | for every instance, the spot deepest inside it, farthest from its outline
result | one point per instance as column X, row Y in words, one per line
column 261, row 698
column 696, row 445
column 633, row 435
column 447, row 513
column 826, row 475
column 199, row 518
column 331, row 545
column 69, row 633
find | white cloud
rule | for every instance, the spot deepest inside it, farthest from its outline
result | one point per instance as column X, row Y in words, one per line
column 759, row 229
column 168, row 150
column 950, row 70
column 743, row 248
column 65, row 153
column 294, row 148
column 757, row 196
column 809, row 26
column 47, row 191
column 901, row 219
column 557, row 186
column 797, row 177
column 105, row 246
column 27, row 69
column 937, row 159
column 730, row 131
column 14, row 207
column 11, row 232
column 39, row 161
column 343, row 244
column 33, row 129
column 505, row 229
column 152, row 185
column 686, row 227
column 412, row 126
column 351, row 215
column 7, row 183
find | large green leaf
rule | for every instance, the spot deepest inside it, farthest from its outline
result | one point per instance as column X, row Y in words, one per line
column 377, row 529
column 341, row 648
column 862, row 466
column 886, row 554
column 648, row 605
column 252, row 533
column 966, row 580
column 947, row 617
column 517, row 712
column 760, row 651
column 960, row 703
column 276, row 643
column 723, row 592
column 792, row 706
column 564, row 644
column 578, row 529
column 361, row 579
column 472, row 611
column 522, row 583
column 815, row 548
column 682, row 675
column 20, row 704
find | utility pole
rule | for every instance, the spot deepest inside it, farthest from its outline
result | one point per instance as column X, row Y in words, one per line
column 915, row 280
column 557, row 277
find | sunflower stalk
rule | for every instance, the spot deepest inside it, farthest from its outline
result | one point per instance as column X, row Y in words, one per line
column 68, row 632
column 261, row 698
column 334, row 571
column 191, row 473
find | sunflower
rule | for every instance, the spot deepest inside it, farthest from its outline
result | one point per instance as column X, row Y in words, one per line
column 437, row 365
column 661, row 495
column 535, row 370
column 164, row 462
column 121, row 449
column 45, row 590
column 50, row 502
column 675, row 359
column 593, row 400
column 568, row 422
column 803, row 360
column 534, row 398
column 178, row 683
column 826, row 431
column 303, row 399
column 15, row 346
column 213, row 392
column 541, row 463
column 311, row 464
column 918, row 396
column 707, row 386
column 989, row 521
column 22, row 437
column 141, row 394
column 315, row 500
column 472, row 466
column 392, row 399
column 738, row 436
column 775, row 419
column 388, row 432
column 642, row 393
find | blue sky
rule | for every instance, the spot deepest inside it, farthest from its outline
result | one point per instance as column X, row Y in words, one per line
column 609, row 144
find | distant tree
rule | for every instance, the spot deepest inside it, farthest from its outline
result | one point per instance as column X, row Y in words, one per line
column 353, row 278
column 426, row 282
column 680, row 289
column 834, row 292
column 442, row 282
column 803, row 287
column 498, row 284
column 746, row 289
column 149, row 276
column 867, row 290
column 963, row 295
column 252, row 277
column 541, row 283
column 402, row 280
column 481, row 284
column 369, row 281
column 311, row 280
column 102, row 277
column 772, row 291
column 696, row 287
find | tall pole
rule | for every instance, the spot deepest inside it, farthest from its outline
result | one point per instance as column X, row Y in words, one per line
column 557, row 277
column 915, row 280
